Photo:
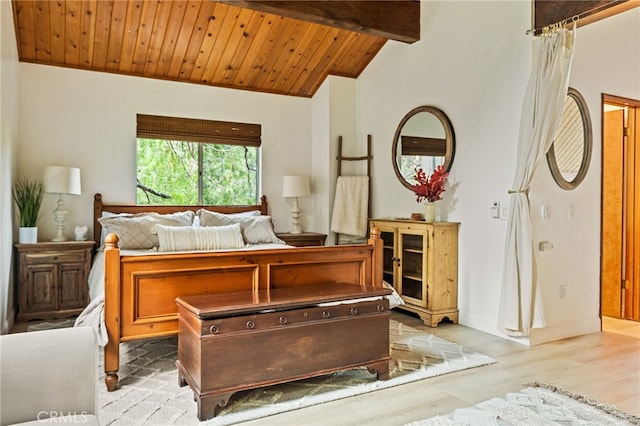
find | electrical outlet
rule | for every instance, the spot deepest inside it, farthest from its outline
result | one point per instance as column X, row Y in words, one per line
column 495, row 210
column 563, row 291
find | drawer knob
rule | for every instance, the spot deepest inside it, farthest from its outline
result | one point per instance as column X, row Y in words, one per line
column 380, row 308
column 250, row 324
column 283, row 320
column 55, row 257
column 213, row 329
column 325, row 314
column 354, row 311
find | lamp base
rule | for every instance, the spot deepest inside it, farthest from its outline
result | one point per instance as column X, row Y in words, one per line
column 60, row 215
column 295, row 217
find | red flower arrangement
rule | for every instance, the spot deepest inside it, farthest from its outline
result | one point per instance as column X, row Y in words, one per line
column 429, row 188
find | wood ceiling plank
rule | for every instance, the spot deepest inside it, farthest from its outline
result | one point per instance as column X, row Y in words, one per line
column 171, row 37
column 56, row 27
column 23, row 16
column 163, row 13
column 298, row 60
column 103, row 25
column 280, row 44
column 214, row 25
column 305, row 64
column 220, row 42
column 271, row 28
column 141, row 49
column 73, row 28
column 286, row 58
column 196, row 41
column 397, row 20
column 316, row 60
column 183, row 40
column 116, row 34
column 254, row 56
column 371, row 49
column 88, row 32
column 41, row 25
column 318, row 74
column 243, row 47
column 342, row 64
column 236, row 35
column 130, row 35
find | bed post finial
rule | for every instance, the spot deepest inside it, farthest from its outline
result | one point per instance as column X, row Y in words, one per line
column 111, row 241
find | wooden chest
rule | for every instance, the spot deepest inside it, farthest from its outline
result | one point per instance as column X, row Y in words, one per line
column 236, row 341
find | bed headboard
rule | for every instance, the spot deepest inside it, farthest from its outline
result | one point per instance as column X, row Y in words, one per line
column 99, row 207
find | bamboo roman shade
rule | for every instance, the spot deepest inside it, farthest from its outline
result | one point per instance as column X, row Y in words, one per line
column 195, row 130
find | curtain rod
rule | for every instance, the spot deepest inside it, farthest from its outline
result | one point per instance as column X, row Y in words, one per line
column 573, row 19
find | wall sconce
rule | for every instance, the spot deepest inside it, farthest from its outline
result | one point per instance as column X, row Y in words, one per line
column 294, row 187
column 61, row 180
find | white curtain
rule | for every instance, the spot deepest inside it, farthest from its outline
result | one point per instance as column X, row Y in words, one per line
column 520, row 300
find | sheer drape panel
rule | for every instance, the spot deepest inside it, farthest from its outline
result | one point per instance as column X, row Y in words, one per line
column 520, row 300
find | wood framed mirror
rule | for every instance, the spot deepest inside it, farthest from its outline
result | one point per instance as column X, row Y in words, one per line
column 570, row 153
column 424, row 138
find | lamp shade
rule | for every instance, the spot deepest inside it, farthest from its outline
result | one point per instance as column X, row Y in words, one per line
column 62, row 180
column 296, row 186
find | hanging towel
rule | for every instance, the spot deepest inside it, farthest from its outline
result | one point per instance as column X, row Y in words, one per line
column 350, row 208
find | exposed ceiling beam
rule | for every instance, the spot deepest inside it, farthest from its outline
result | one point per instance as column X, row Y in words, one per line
column 547, row 12
column 396, row 20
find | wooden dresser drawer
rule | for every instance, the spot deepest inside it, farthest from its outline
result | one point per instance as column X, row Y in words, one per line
column 54, row 257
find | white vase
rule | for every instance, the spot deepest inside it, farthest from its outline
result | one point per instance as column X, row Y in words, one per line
column 430, row 211
column 28, row 235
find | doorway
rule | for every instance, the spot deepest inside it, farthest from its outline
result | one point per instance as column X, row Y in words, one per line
column 620, row 260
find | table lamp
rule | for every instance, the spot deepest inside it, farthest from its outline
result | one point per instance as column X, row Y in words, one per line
column 294, row 187
column 61, row 180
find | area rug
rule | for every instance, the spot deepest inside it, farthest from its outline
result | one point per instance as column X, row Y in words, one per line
column 50, row 325
column 539, row 404
column 148, row 391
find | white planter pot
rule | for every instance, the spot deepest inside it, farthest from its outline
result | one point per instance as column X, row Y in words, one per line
column 28, row 235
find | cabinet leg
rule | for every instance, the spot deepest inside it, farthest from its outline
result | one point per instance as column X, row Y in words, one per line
column 209, row 405
column 432, row 320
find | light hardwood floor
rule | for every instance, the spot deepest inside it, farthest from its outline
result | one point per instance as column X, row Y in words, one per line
column 604, row 366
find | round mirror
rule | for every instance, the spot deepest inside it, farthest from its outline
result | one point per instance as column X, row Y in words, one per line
column 570, row 153
column 425, row 139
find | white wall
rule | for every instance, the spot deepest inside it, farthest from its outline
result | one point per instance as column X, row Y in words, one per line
column 88, row 119
column 473, row 62
column 8, row 137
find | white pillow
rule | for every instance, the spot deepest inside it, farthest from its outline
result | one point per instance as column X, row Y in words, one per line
column 259, row 230
column 186, row 238
column 209, row 218
column 134, row 231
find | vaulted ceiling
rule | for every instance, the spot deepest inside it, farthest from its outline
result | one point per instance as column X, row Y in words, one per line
column 284, row 47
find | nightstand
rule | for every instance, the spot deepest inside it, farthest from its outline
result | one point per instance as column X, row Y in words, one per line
column 52, row 278
column 303, row 239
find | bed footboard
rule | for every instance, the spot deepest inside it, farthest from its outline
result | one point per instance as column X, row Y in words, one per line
column 140, row 291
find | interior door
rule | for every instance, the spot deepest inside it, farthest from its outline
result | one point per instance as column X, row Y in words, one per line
column 620, row 288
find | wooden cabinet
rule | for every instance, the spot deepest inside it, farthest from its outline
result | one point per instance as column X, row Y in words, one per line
column 52, row 279
column 421, row 262
column 303, row 239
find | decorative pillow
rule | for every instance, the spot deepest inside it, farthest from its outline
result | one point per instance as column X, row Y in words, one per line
column 209, row 218
column 186, row 238
column 259, row 230
column 134, row 231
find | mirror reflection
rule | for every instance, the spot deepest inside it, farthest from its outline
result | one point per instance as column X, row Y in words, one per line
column 424, row 138
column 570, row 153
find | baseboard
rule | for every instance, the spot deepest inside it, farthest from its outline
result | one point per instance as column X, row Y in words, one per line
column 538, row 336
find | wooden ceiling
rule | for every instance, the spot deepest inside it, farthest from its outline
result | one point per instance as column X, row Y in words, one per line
column 284, row 47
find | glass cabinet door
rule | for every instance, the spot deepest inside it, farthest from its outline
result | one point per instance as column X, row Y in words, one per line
column 412, row 255
column 388, row 264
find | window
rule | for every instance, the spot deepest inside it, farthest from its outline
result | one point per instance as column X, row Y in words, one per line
column 183, row 161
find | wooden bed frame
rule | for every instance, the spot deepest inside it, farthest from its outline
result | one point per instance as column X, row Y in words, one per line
column 141, row 291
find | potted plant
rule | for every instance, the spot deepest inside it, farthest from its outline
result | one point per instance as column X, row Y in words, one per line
column 27, row 195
